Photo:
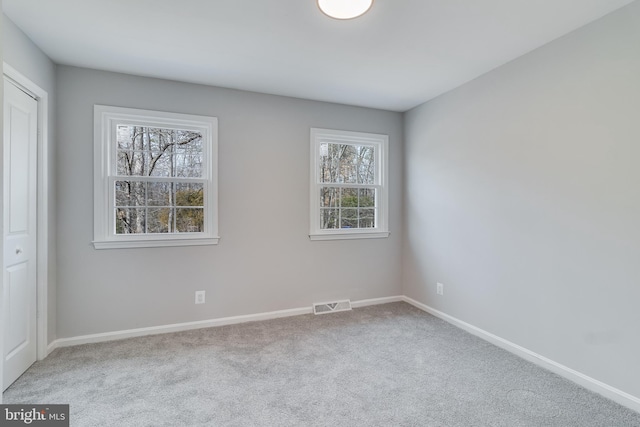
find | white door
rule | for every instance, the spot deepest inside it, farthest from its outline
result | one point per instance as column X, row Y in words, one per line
column 20, row 219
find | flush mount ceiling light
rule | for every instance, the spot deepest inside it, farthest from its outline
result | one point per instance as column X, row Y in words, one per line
column 344, row 9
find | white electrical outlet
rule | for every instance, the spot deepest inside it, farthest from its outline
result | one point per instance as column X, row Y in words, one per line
column 440, row 289
column 200, row 297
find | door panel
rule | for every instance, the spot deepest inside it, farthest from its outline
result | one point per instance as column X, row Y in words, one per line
column 20, row 219
column 17, row 295
column 19, row 175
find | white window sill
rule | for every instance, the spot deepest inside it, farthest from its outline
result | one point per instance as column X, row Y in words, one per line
column 154, row 243
column 350, row 236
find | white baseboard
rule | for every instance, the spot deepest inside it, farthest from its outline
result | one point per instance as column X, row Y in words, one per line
column 376, row 301
column 177, row 327
column 618, row 396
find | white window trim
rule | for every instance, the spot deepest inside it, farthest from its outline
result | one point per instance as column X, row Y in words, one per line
column 105, row 120
column 318, row 136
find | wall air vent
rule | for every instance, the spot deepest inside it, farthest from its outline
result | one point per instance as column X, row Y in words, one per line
column 331, row 307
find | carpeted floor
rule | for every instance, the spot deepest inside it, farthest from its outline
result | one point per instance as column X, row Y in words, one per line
column 385, row 365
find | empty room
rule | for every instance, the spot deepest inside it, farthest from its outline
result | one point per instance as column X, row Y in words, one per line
column 320, row 212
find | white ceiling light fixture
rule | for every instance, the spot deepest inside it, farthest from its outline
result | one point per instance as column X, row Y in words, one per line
column 344, row 9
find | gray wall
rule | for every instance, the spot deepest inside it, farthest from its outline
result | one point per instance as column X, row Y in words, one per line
column 523, row 199
column 264, row 260
column 30, row 61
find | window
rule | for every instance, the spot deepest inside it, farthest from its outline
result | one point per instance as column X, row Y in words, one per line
column 155, row 178
column 349, row 185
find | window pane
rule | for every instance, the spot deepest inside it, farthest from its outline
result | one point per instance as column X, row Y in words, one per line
column 160, row 193
column 189, row 194
column 349, row 218
column 130, row 193
column 160, row 164
column 187, row 141
column 324, row 150
column 366, row 218
column 160, row 220
column 122, row 193
column 367, row 197
column 123, row 162
column 329, row 197
column 349, row 198
column 328, row 163
column 365, row 164
column 348, row 164
column 147, row 151
column 329, row 218
column 188, row 165
column 130, row 220
column 124, row 137
column 190, row 220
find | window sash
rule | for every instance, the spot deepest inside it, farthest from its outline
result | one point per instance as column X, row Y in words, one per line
column 375, row 156
column 113, row 146
column 147, row 206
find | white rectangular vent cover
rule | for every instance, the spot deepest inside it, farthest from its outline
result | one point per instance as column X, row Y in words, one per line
column 331, row 307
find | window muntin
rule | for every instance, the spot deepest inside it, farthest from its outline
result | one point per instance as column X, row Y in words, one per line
column 348, row 184
column 154, row 179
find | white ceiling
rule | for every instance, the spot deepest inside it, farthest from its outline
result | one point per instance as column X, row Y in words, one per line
column 398, row 55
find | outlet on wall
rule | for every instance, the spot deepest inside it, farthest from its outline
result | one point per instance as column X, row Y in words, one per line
column 440, row 289
column 200, row 297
